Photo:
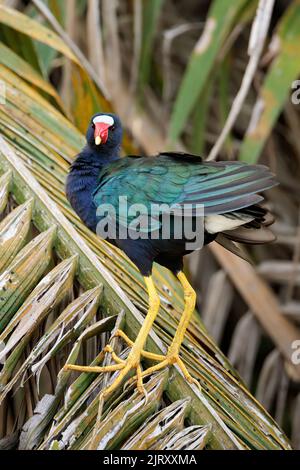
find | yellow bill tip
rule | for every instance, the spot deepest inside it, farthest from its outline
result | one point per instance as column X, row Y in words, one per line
column 98, row 140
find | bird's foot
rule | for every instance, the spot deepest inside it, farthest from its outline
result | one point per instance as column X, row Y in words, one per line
column 166, row 361
column 170, row 359
column 133, row 362
column 124, row 366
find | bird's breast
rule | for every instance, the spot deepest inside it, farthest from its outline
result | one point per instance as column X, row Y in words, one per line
column 79, row 191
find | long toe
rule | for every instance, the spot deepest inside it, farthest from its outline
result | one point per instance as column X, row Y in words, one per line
column 97, row 369
column 123, row 366
column 170, row 360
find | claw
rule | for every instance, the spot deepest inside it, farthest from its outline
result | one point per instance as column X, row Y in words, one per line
column 168, row 361
column 121, row 334
column 117, row 359
column 140, row 385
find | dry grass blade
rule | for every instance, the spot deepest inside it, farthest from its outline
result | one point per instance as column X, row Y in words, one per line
column 280, row 272
column 5, row 181
column 18, row 279
column 35, row 426
column 217, row 304
column 262, row 303
column 130, row 414
column 83, row 310
column 45, row 11
column 112, row 44
column 244, row 346
column 191, row 438
column 13, row 232
column 48, row 293
column 26, row 25
column 61, row 332
column 269, row 379
column 137, row 46
column 256, row 43
column 279, row 81
column 296, row 423
column 94, row 38
column 21, row 67
column 219, row 21
column 66, row 91
column 158, row 425
column 76, row 395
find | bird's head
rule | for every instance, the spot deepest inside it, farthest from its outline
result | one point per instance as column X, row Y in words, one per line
column 104, row 133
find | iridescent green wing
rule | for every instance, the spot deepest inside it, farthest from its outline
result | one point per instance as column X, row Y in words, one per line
column 173, row 179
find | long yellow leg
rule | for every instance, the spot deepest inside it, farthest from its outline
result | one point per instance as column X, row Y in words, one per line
column 190, row 302
column 134, row 357
column 172, row 356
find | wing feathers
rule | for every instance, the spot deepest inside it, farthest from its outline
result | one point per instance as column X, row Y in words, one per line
column 231, row 191
column 178, row 179
column 234, row 182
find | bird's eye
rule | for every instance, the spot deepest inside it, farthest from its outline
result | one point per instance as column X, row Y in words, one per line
column 93, row 125
column 113, row 128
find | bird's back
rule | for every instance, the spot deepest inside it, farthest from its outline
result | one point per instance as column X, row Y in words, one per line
column 227, row 193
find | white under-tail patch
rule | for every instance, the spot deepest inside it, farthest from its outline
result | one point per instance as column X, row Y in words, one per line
column 220, row 223
column 105, row 119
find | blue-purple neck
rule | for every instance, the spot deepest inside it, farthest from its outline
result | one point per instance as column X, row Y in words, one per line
column 82, row 181
column 97, row 157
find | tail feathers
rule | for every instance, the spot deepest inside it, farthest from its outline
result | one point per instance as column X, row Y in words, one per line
column 269, row 219
column 232, row 247
column 260, row 215
column 253, row 236
column 254, row 231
